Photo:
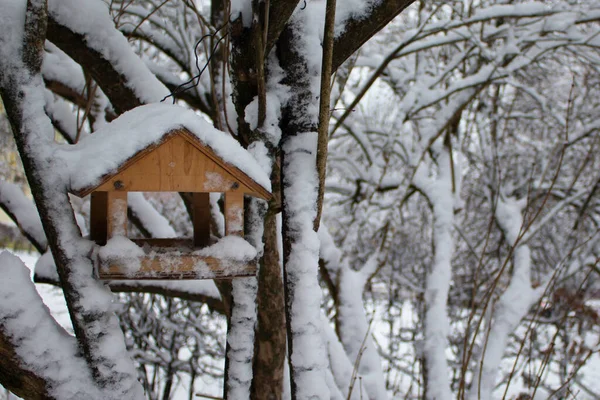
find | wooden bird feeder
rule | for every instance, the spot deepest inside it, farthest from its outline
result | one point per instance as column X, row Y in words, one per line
column 178, row 162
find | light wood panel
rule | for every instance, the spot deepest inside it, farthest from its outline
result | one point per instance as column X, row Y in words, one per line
column 175, row 166
column 184, row 266
column 234, row 213
column 116, row 210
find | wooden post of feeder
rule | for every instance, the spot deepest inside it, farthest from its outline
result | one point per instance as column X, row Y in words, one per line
column 98, row 217
column 234, row 213
column 116, row 210
column 201, row 219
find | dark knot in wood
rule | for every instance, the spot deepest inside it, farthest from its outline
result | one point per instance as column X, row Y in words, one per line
column 118, row 185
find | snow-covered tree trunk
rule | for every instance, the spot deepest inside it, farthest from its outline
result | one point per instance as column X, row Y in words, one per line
column 21, row 87
column 258, row 129
column 513, row 304
column 355, row 330
column 354, row 344
column 240, row 338
column 299, row 179
column 440, row 194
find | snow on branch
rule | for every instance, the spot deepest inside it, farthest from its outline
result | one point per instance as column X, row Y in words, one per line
column 358, row 27
column 26, row 330
column 240, row 338
column 85, row 31
column 514, row 303
column 61, row 115
column 91, row 19
column 438, row 189
column 342, row 368
column 155, row 223
column 98, row 335
column 352, row 323
column 23, row 212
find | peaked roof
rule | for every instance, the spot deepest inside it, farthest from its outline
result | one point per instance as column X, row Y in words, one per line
column 233, row 171
column 101, row 155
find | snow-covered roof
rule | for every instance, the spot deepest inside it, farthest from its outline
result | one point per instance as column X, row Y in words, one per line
column 107, row 149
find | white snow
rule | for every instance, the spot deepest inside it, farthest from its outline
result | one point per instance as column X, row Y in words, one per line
column 61, row 114
column 12, row 22
column 308, row 356
column 57, row 66
column 216, row 214
column 513, row 304
column 346, row 10
column 231, row 248
column 156, row 223
column 241, row 337
column 437, row 186
column 96, row 155
column 91, row 19
column 28, row 219
column 272, row 117
column 123, row 251
column 29, row 325
column 242, row 8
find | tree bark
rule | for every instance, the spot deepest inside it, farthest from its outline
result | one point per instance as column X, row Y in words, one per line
column 16, row 378
column 93, row 324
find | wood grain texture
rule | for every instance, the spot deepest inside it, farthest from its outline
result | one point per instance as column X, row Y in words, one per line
column 234, row 213
column 177, row 163
column 116, row 214
column 175, row 166
column 183, row 266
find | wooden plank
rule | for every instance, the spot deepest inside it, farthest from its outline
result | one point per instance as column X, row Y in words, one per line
column 175, row 166
column 116, row 209
column 201, row 219
column 253, row 187
column 193, row 150
column 165, row 243
column 98, row 220
column 185, row 266
column 234, row 213
column 133, row 160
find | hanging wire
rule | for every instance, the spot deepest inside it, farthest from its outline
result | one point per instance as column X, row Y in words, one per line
column 191, row 83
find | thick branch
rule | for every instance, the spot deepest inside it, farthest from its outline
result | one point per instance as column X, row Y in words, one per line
column 22, row 211
column 358, row 31
column 113, row 84
column 15, row 377
column 32, row 344
column 324, row 106
column 279, row 14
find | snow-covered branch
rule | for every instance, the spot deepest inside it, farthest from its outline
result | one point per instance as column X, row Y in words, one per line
column 86, row 32
column 28, row 366
column 23, row 212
